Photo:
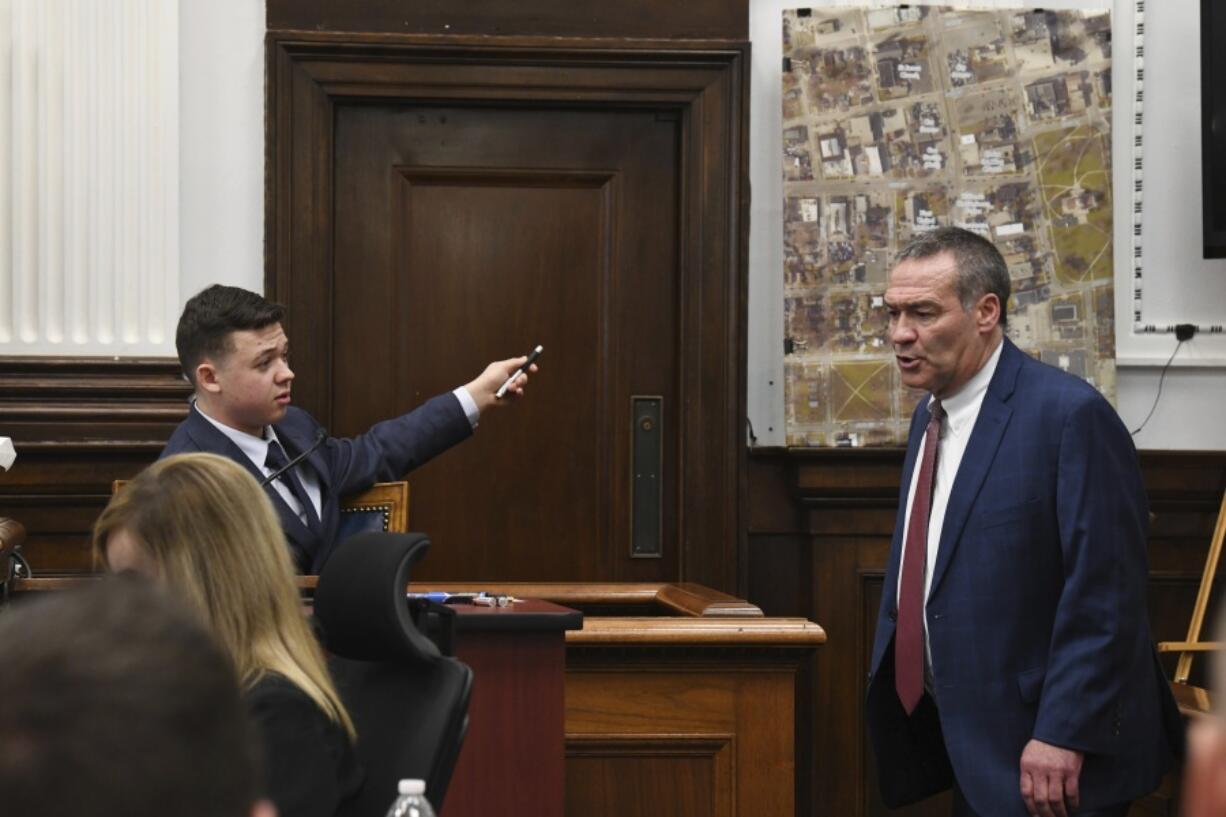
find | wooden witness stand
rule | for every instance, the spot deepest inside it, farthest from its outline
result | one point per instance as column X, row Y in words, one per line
column 678, row 700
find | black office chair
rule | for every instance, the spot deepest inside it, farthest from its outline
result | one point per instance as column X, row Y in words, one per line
column 408, row 701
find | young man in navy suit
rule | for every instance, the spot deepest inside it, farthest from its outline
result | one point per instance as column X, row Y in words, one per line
column 1013, row 659
column 234, row 351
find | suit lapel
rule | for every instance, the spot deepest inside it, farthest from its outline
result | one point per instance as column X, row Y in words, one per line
column 994, row 415
column 207, row 438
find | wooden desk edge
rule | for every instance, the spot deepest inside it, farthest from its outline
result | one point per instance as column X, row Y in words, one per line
column 709, row 629
column 687, row 599
column 690, row 600
column 789, row 632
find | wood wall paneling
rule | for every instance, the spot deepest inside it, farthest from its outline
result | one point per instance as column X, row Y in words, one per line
column 638, row 19
column 829, row 564
column 663, row 774
column 77, row 425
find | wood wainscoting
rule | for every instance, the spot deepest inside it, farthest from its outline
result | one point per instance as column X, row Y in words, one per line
column 820, row 523
column 78, row 425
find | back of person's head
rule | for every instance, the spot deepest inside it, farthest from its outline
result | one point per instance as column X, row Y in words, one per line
column 115, row 702
column 980, row 266
column 209, row 318
column 205, row 528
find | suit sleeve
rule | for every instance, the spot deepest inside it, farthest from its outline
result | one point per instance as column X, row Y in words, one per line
column 392, row 448
column 1102, row 517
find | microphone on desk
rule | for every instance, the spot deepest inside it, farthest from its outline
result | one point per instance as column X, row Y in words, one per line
column 320, row 436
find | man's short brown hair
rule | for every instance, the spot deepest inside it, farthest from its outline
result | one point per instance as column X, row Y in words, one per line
column 980, row 266
column 212, row 315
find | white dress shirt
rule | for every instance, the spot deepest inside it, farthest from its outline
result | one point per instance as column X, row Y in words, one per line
column 256, row 450
column 961, row 412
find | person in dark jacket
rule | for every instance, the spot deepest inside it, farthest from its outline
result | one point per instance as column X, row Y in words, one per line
column 199, row 525
column 234, row 351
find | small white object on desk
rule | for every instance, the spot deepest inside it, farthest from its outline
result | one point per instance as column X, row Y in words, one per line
column 7, row 453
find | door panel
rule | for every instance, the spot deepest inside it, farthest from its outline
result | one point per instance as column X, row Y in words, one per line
column 466, row 234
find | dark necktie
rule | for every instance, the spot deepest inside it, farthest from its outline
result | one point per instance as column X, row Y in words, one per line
column 909, row 631
column 275, row 460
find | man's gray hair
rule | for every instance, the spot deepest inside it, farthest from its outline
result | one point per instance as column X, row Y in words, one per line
column 980, row 267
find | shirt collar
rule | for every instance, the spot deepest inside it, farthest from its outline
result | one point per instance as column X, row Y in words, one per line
column 963, row 407
column 256, row 448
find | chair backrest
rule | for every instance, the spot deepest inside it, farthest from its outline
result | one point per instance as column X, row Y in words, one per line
column 408, row 702
column 383, row 506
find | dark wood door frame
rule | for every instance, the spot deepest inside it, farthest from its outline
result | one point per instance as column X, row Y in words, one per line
column 704, row 83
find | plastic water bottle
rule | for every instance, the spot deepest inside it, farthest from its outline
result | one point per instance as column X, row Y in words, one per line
column 412, row 801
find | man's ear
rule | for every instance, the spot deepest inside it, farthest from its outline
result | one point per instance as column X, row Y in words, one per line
column 206, row 377
column 988, row 312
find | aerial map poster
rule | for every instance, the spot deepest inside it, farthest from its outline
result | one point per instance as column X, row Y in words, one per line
column 897, row 120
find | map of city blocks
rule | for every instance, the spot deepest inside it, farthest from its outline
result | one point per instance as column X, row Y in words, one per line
column 900, row 120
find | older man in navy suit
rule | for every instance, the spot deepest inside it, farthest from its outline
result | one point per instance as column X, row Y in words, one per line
column 1013, row 659
column 235, row 353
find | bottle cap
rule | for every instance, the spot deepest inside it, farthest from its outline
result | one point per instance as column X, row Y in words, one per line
column 412, row 786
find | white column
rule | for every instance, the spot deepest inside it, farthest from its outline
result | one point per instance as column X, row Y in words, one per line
column 89, row 177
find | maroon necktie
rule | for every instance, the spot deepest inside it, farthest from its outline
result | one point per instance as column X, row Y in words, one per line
column 909, row 631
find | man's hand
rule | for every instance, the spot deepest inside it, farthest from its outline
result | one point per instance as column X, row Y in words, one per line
column 483, row 387
column 1050, row 779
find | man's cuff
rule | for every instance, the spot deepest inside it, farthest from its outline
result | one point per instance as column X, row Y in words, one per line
column 469, row 405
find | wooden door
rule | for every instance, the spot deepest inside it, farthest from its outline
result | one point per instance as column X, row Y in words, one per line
column 465, row 235
column 437, row 203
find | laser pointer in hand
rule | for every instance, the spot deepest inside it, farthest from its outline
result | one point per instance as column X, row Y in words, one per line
column 502, row 390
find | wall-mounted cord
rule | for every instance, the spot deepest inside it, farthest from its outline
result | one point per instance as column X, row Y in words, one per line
column 1183, row 332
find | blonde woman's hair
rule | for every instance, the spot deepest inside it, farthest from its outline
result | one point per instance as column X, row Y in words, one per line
column 214, row 539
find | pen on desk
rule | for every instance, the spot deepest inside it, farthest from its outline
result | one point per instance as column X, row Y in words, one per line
column 502, row 390
column 436, row 597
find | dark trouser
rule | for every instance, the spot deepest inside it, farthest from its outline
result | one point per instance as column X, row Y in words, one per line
column 962, row 809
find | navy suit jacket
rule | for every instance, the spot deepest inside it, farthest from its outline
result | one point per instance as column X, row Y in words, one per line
column 1036, row 615
column 343, row 465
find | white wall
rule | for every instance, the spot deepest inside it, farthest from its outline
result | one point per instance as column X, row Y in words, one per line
column 221, row 144
column 1180, row 287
